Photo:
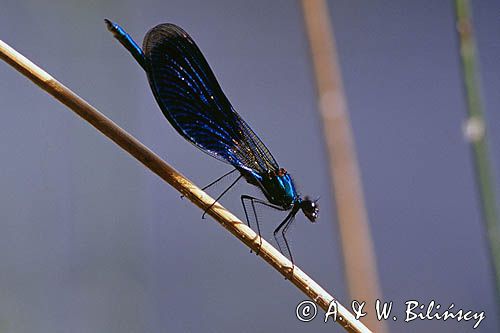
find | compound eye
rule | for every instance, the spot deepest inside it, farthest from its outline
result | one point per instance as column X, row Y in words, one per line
column 310, row 209
column 281, row 172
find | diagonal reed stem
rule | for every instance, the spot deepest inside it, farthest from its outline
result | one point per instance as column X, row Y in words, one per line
column 161, row 168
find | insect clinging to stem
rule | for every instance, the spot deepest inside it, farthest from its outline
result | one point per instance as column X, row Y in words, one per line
column 191, row 99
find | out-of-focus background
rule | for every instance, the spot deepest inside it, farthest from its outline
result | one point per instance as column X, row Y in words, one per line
column 91, row 241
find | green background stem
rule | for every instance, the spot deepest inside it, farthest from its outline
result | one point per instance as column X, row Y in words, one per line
column 477, row 137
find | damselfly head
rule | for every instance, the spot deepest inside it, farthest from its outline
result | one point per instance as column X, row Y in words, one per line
column 310, row 208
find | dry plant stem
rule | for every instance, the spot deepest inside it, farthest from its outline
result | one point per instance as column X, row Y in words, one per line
column 357, row 248
column 477, row 137
column 179, row 182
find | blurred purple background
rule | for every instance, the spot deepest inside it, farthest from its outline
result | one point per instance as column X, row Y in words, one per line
column 90, row 241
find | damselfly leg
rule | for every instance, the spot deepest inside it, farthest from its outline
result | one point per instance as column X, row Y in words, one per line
column 281, row 230
column 220, row 196
column 253, row 202
column 215, row 181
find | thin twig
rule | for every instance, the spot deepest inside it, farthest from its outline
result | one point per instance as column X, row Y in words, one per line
column 359, row 260
column 180, row 183
column 475, row 131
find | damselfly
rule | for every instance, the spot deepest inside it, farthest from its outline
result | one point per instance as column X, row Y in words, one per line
column 193, row 102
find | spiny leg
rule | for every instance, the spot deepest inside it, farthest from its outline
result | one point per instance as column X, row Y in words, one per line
column 243, row 198
column 218, row 179
column 220, row 196
column 258, row 226
column 275, row 234
column 215, row 181
column 283, row 227
column 253, row 201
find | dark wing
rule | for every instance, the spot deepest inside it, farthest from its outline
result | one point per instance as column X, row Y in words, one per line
column 192, row 100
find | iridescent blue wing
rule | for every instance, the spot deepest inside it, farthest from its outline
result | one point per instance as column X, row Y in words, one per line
column 191, row 99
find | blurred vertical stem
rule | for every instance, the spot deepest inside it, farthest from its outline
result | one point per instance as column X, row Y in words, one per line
column 357, row 247
column 475, row 133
